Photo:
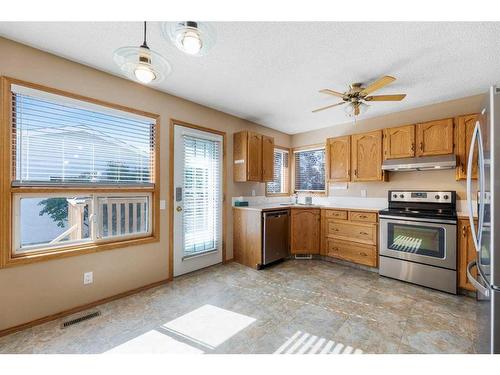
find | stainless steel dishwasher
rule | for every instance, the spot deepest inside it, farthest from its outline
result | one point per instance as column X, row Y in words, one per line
column 274, row 235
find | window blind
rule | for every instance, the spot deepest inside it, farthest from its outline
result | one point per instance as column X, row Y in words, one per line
column 202, row 195
column 279, row 185
column 310, row 170
column 57, row 140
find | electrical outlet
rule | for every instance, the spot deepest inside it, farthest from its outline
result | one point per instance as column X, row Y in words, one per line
column 363, row 193
column 253, row 192
column 88, row 278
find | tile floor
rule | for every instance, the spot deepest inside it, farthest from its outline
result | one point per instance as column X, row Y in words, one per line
column 293, row 307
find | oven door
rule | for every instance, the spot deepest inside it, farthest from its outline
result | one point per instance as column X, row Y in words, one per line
column 419, row 241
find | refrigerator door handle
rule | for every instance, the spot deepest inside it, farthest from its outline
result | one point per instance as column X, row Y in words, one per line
column 476, row 235
column 476, row 284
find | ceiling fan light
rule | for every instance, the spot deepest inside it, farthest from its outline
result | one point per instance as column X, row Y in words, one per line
column 193, row 38
column 363, row 108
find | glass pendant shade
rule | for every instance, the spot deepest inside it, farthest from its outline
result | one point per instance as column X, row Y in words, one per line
column 350, row 108
column 142, row 64
column 193, row 38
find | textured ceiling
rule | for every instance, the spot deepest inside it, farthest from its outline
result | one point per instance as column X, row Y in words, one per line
column 270, row 73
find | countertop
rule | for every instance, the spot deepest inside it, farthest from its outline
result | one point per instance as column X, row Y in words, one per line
column 277, row 206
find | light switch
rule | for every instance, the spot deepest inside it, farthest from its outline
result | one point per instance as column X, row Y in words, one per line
column 363, row 193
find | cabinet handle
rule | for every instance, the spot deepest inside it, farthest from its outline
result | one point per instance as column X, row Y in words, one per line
column 412, row 148
column 362, row 216
column 363, row 254
column 463, row 231
column 421, row 146
column 356, row 172
column 462, row 167
column 363, row 233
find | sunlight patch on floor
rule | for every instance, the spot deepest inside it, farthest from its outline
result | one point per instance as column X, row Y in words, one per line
column 154, row 342
column 209, row 325
column 306, row 343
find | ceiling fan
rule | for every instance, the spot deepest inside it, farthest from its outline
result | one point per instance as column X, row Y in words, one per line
column 357, row 96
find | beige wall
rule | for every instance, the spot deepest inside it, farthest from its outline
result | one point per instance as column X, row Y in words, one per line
column 414, row 180
column 34, row 291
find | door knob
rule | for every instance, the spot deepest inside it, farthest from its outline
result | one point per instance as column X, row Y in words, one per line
column 179, row 208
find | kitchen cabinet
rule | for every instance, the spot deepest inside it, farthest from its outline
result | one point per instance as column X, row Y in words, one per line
column 253, row 156
column 434, row 137
column 305, row 231
column 247, row 237
column 466, row 254
column 351, row 236
column 366, row 156
column 339, row 159
column 464, row 127
column 399, row 142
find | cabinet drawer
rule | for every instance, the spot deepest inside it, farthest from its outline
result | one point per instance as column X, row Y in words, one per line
column 364, row 233
column 365, row 217
column 336, row 214
column 352, row 252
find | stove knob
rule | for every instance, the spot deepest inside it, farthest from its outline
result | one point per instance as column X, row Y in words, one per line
column 437, row 197
column 395, row 196
column 401, row 196
column 445, row 196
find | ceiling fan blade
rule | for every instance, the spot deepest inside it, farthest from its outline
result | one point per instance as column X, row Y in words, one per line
column 328, row 106
column 385, row 98
column 378, row 84
column 331, row 92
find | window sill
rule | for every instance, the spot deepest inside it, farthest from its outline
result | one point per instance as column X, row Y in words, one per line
column 75, row 250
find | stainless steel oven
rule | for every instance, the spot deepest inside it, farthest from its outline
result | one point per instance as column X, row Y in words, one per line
column 418, row 239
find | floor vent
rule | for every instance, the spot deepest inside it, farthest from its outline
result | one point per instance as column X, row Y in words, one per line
column 80, row 319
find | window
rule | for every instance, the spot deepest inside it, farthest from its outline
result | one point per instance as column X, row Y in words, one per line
column 83, row 173
column 280, row 183
column 310, row 170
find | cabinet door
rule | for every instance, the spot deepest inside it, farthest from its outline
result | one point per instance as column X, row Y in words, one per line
column 399, row 142
column 254, row 154
column 435, row 137
column 339, row 159
column 366, row 156
column 463, row 137
column 305, row 231
column 466, row 254
column 267, row 158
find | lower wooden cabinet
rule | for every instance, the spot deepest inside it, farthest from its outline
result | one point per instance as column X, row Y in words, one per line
column 351, row 251
column 466, row 254
column 305, row 231
column 350, row 236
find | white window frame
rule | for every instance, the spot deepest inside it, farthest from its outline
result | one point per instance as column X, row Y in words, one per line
column 96, row 227
column 299, row 150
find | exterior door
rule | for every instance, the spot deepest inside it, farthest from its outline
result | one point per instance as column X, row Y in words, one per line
column 198, row 199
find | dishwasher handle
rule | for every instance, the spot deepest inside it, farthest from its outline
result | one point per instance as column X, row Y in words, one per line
column 275, row 214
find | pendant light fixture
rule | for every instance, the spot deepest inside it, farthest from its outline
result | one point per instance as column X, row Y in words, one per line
column 193, row 38
column 141, row 63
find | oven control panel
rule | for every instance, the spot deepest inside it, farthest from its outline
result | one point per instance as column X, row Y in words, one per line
column 421, row 196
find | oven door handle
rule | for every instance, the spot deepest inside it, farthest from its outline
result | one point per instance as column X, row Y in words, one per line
column 476, row 284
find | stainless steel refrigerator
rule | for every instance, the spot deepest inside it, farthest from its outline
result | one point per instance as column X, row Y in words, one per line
column 486, row 233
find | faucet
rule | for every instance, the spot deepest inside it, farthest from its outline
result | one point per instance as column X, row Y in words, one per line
column 296, row 195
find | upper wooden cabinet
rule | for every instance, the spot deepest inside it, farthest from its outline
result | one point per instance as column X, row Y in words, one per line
column 267, row 158
column 366, row 156
column 305, row 231
column 463, row 137
column 253, row 156
column 399, row 142
column 434, row 137
column 339, row 158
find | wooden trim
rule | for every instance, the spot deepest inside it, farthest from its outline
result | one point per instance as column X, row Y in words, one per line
column 7, row 258
column 289, row 182
column 173, row 123
column 74, row 310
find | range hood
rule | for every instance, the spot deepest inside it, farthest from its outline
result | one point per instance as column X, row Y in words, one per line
column 424, row 163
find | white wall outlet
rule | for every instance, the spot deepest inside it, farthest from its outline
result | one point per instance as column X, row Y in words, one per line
column 253, row 192
column 363, row 193
column 163, row 204
column 88, row 278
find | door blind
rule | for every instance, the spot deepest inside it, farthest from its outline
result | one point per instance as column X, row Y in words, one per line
column 279, row 185
column 57, row 140
column 310, row 170
column 202, row 195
